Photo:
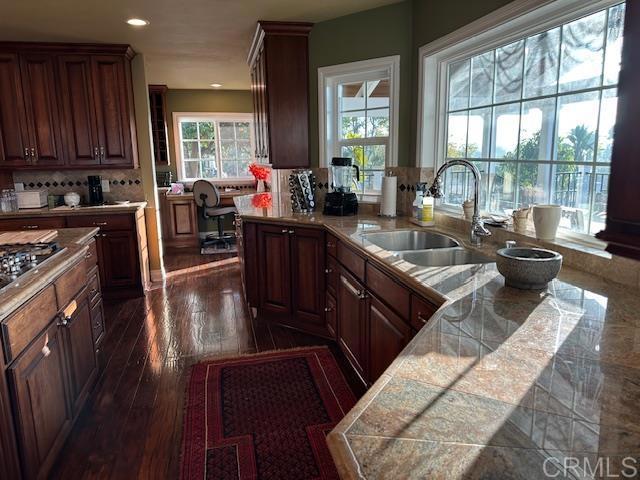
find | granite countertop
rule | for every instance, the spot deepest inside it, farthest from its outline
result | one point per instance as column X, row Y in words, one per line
column 73, row 243
column 82, row 210
column 501, row 383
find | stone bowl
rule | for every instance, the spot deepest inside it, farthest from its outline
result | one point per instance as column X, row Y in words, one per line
column 528, row 268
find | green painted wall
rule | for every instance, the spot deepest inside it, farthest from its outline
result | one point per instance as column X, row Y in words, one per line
column 228, row 101
column 379, row 32
column 397, row 29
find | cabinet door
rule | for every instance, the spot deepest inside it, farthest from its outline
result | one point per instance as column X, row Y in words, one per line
column 81, row 353
column 8, row 445
column 118, row 259
column 388, row 335
column 76, row 90
column 14, row 137
column 274, row 260
column 256, row 112
column 351, row 321
column 41, row 101
column 39, row 387
column 111, row 97
column 250, row 260
column 307, row 271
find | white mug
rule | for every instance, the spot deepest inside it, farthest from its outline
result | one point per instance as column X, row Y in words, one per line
column 546, row 219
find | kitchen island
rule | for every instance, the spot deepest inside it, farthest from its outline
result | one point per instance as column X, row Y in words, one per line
column 51, row 325
column 499, row 383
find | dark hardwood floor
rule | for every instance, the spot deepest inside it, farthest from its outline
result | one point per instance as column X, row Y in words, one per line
column 131, row 426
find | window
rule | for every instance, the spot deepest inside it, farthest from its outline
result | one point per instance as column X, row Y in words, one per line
column 213, row 146
column 358, row 117
column 535, row 115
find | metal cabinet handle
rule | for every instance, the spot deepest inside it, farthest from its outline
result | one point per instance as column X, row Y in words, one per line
column 422, row 319
column 328, row 270
column 284, row 230
column 46, row 351
column 362, row 294
column 330, row 244
column 34, row 154
column 27, row 155
column 64, row 321
column 95, row 153
column 100, row 224
column 328, row 309
column 291, row 232
column 88, row 255
column 101, row 152
column 30, row 227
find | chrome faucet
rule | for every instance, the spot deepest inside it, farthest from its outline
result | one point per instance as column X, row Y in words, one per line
column 478, row 230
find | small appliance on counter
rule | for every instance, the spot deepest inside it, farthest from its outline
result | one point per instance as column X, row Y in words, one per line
column 302, row 186
column 95, row 190
column 32, row 198
column 341, row 200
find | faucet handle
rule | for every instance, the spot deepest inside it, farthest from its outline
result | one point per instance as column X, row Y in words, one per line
column 510, row 243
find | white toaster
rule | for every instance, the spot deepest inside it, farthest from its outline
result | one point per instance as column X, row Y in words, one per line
column 32, row 198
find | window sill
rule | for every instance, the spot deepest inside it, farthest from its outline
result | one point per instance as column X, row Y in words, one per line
column 564, row 240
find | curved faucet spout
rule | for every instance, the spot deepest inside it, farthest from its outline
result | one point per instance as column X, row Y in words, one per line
column 478, row 230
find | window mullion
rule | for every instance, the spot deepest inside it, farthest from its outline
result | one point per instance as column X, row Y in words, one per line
column 218, row 149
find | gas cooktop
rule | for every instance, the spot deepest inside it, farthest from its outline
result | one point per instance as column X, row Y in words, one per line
column 17, row 260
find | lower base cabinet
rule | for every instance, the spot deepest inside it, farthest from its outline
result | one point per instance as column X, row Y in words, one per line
column 388, row 335
column 44, row 416
column 352, row 332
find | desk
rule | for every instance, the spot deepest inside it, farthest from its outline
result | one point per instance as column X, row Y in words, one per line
column 179, row 216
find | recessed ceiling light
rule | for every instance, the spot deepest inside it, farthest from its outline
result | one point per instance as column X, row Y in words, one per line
column 137, row 22
column 216, row 85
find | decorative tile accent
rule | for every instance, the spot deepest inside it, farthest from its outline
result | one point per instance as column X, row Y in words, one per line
column 124, row 184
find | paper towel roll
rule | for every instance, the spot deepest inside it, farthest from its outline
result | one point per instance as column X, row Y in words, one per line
column 389, row 196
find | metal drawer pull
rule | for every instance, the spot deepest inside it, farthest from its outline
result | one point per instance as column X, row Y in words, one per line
column 285, row 231
column 422, row 319
column 30, row 227
column 330, row 244
column 362, row 294
column 328, row 309
column 46, row 351
column 102, row 152
column 328, row 270
column 93, row 291
column 291, row 232
column 101, row 224
column 88, row 255
column 26, row 153
column 34, row 154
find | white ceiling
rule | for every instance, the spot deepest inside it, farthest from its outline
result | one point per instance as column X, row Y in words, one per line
column 188, row 44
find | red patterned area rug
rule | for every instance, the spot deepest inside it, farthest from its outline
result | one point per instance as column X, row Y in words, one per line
column 263, row 416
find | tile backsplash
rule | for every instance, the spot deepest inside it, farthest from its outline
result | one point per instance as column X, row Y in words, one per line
column 123, row 184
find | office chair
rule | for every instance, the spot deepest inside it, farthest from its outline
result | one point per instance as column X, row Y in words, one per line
column 207, row 197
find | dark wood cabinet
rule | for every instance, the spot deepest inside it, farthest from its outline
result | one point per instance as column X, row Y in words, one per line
column 274, row 269
column 249, row 260
column 279, row 62
column 66, row 106
column 388, row 335
column 76, row 89
column 9, row 466
column 119, row 259
column 158, row 109
column 179, row 218
column 83, row 367
column 14, row 139
column 622, row 231
column 352, row 312
column 308, row 277
column 331, row 315
column 43, row 114
column 39, row 385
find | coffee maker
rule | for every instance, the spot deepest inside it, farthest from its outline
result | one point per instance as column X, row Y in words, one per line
column 95, row 190
column 341, row 200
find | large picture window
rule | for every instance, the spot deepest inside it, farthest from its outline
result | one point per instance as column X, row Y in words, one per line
column 536, row 116
column 213, row 146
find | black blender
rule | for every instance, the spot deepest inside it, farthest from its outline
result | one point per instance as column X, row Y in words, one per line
column 341, row 200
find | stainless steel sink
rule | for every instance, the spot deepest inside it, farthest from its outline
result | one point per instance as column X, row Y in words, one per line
column 444, row 257
column 407, row 240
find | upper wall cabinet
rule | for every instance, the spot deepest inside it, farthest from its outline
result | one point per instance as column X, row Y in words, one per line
column 66, row 106
column 622, row 231
column 158, row 108
column 279, row 61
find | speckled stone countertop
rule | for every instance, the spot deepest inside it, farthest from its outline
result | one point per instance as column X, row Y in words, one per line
column 501, row 383
column 82, row 210
column 73, row 242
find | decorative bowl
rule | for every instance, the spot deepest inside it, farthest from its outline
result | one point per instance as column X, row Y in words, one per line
column 71, row 199
column 528, row 268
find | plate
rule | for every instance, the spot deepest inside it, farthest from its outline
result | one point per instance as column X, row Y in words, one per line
column 121, row 202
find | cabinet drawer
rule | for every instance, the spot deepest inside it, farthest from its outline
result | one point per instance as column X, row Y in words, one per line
column 71, row 283
column 97, row 323
column 91, row 257
column 105, row 222
column 24, row 325
column 351, row 261
column 421, row 311
column 93, row 282
column 37, row 223
column 389, row 291
column 332, row 245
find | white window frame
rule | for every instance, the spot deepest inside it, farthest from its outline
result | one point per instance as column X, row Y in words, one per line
column 216, row 117
column 328, row 80
column 518, row 19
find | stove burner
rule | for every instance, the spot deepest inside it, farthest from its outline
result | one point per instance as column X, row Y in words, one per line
column 16, row 260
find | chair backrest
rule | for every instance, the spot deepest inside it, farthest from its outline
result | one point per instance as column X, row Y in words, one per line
column 206, row 194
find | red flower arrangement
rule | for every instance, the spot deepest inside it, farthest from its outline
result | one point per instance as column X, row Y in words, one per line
column 260, row 172
column 262, row 200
